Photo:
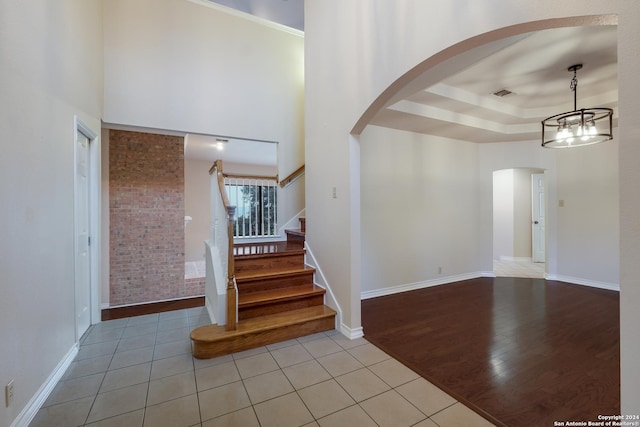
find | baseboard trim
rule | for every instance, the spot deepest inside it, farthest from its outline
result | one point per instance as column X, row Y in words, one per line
column 29, row 412
column 351, row 333
column 451, row 279
column 487, row 274
column 584, row 282
column 151, row 307
column 425, row 284
column 515, row 258
column 321, row 280
column 209, row 308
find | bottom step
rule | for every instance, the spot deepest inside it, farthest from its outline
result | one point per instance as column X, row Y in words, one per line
column 212, row 340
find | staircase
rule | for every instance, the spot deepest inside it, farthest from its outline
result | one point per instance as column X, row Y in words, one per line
column 277, row 299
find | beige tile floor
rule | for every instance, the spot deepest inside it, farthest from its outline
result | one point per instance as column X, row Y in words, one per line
column 519, row 268
column 139, row 371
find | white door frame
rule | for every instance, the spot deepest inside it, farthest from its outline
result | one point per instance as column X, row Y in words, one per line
column 538, row 225
column 94, row 213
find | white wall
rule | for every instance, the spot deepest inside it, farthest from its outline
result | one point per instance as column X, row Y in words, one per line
column 197, row 205
column 418, row 208
column 243, row 169
column 181, row 65
column 628, row 155
column 503, row 213
column 588, row 224
column 420, row 201
column 50, row 70
column 187, row 66
column 352, row 70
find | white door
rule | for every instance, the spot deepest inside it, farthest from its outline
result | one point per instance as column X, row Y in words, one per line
column 82, row 246
column 537, row 217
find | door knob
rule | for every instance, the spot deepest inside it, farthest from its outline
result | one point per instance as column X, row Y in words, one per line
column 535, row 222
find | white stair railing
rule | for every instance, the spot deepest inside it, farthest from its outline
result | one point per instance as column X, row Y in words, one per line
column 220, row 287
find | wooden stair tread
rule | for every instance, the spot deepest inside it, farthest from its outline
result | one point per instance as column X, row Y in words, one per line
column 249, row 299
column 253, row 275
column 276, row 299
column 295, row 235
column 209, row 333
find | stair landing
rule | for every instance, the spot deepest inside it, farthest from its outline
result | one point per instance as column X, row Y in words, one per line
column 212, row 340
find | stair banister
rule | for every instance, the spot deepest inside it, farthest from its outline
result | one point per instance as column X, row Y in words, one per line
column 231, row 291
column 294, row 175
column 248, row 176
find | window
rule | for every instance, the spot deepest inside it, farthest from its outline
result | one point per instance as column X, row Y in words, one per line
column 256, row 206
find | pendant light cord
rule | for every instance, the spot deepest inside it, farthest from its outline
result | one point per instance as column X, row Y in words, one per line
column 574, row 88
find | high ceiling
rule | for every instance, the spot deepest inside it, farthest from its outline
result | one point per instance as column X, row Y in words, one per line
column 533, row 67
column 463, row 106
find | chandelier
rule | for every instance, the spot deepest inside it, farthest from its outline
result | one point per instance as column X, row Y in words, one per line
column 578, row 127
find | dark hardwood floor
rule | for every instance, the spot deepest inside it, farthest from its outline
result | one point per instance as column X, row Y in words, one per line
column 521, row 352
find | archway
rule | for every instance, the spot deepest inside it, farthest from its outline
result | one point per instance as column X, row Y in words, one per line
column 461, row 55
column 383, row 103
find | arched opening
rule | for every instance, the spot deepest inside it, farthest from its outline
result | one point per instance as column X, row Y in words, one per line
column 437, row 230
column 456, row 138
column 462, row 55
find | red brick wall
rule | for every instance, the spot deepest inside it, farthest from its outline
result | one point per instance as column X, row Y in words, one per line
column 146, row 209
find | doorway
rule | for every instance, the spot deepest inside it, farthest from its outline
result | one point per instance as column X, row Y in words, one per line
column 518, row 223
column 85, row 221
column 538, row 228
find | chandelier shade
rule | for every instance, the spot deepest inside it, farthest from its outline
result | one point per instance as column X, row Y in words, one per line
column 579, row 127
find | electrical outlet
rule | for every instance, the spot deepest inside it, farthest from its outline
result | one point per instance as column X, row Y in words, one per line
column 8, row 394
column 439, row 270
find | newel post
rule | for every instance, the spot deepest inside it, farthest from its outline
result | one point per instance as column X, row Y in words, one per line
column 232, row 291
